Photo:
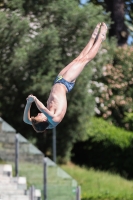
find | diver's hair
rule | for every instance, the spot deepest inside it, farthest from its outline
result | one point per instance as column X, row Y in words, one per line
column 39, row 127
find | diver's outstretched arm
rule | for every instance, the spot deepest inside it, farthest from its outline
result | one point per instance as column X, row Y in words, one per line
column 26, row 116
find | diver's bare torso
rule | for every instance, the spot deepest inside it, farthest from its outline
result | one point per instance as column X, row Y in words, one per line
column 57, row 102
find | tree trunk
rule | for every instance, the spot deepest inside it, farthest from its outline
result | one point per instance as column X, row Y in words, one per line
column 118, row 28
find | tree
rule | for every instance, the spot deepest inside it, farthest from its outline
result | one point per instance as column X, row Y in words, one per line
column 34, row 47
column 114, row 95
column 121, row 24
column 113, row 87
column 118, row 27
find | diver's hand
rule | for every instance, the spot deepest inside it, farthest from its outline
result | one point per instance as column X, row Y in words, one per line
column 31, row 98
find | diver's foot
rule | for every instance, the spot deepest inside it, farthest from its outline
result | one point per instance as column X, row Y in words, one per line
column 103, row 31
column 96, row 30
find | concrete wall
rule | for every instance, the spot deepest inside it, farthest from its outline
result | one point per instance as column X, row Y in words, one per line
column 27, row 151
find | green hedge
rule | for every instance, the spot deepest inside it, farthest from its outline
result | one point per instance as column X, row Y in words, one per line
column 103, row 131
column 107, row 198
column 106, row 147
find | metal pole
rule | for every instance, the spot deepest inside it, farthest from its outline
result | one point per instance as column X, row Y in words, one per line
column 32, row 192
column 17, row 155
column 45, row 178
column 78, row 193
column 54, row 145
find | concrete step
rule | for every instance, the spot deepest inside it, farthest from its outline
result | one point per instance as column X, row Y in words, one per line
column 13, row 197
column 4, row 179
column 14, row 188
column 12, row 191
column 6, row 170
column 6, row 182
column 20, row 182
column 8, row 186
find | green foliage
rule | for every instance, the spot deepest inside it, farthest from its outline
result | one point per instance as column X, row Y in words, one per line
column 128, row 120
column 108, row 197
column 96, row 184
column 115, row 93
column 107, row 148
column 102, row 131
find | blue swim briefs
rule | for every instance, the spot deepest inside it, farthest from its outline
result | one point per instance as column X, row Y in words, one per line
column 69, row 85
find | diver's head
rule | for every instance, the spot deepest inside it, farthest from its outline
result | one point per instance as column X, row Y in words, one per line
column 40, row 123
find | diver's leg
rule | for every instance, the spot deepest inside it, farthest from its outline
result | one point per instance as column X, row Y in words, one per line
column 76, row 67
column 85, row 50
column 91, row 41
